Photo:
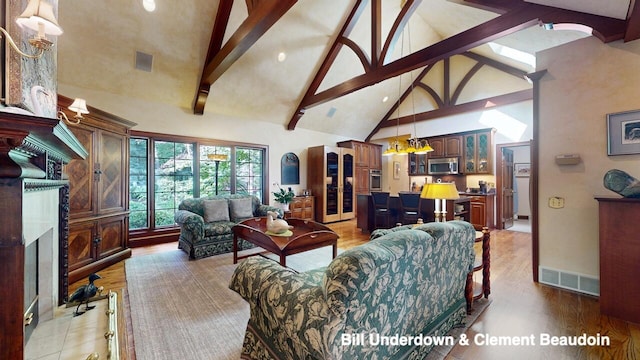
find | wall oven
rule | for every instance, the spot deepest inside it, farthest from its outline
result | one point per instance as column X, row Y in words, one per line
column 375, row 180
column 445, row 166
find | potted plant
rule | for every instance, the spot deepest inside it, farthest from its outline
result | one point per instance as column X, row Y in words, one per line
column 284, row 197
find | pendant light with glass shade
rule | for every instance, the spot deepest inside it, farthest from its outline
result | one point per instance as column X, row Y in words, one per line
column 414, row 145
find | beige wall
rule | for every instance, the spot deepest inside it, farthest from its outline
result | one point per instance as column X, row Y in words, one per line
column 585, row 81
column 168, row 119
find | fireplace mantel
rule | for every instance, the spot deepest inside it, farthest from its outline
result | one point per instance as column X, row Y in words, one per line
column 33, row 152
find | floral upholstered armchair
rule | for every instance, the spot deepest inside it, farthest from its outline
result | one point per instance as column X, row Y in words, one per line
column 205, row 223
column 408, row 282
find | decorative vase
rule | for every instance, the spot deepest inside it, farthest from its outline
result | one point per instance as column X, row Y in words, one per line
column 284, row 206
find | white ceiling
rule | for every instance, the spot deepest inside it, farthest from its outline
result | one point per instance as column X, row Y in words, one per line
column 98, row 48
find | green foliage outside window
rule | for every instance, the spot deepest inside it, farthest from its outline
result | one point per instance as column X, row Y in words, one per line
column 174, row 177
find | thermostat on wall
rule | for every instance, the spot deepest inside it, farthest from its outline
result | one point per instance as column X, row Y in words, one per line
column 568, row 159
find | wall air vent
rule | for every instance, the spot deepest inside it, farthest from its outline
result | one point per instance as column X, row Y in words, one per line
column 572, row 281
column 144, row 61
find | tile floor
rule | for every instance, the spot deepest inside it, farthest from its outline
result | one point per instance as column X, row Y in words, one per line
column 521, row 225
column 67, row 337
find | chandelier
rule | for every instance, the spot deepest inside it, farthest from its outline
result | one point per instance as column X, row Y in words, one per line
column 413, row 145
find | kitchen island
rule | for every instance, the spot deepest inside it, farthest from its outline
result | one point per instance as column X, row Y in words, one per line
column 459, row 209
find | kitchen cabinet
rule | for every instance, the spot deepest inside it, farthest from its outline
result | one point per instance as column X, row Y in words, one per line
column 418, row 164
column 98, row 193
column 367, row 157
column 482, row 208
column 477, row 152
column 445, row 146
column 301, row 208
column 330, row 175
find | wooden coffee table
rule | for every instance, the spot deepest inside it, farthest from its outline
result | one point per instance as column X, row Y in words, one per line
column 307, row 235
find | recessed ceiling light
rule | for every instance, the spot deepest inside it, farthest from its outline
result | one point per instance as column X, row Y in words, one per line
column 384, row 99
column 149, row 5
column 282, row 57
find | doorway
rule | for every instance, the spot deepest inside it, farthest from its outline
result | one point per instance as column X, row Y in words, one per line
column 513, row 185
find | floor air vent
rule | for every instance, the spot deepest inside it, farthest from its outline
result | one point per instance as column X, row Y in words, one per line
column 572, row 281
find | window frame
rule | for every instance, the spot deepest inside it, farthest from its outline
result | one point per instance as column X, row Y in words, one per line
column 153, row 234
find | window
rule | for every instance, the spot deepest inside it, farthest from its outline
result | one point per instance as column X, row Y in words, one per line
column 173, row 179
column 215, row 175
column 249, row 173
column 164, row 170
column 138, row 184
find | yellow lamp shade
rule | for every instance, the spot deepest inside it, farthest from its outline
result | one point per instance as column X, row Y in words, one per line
column 447, row 191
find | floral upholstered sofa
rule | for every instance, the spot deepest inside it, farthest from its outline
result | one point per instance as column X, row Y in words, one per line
column 404, row 283
column 205, row 223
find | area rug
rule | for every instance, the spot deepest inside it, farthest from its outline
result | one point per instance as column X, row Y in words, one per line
column 182, row 309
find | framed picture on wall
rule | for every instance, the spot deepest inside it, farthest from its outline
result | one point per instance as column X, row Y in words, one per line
column 522, row 169
column 623, row 133
column 396, row 170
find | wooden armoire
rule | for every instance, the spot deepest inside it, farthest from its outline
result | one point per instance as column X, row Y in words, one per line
column 98, row 193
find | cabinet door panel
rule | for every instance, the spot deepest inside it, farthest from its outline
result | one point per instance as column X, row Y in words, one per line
column 111, row 236
column 81, row 245
column 438, row 147
column 453, row 146
column 81, row 177
column 483, row 153
column 362, row 180
column 112, row 177
column 375, row 157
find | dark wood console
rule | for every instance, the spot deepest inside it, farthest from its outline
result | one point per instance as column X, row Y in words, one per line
column 619, row 258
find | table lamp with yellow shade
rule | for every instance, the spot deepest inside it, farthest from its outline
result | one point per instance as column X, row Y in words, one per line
column 440, row 192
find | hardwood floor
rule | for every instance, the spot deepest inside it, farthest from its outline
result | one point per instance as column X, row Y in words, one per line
column 519, row 306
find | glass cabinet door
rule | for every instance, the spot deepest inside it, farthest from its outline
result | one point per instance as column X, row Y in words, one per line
column 331, row 183
column 347, row 183
column 483, row 153
column 470, row 154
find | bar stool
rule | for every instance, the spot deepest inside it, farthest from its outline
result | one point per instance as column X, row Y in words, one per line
column 409, row 207
column 381, row 208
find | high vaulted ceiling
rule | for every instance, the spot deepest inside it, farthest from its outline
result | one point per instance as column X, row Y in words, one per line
column 97, row 51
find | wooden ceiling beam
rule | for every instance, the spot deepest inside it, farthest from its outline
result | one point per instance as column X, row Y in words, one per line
column 448, row 101
column 378, row 51
column 604, row 28
column 633, row 23
column 506, row 24
column 478, row 105
column 348, row 26
column 219, row 59
column 516, row 15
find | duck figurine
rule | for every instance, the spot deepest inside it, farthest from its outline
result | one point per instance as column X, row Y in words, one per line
column 84, row 294
column 275, row 225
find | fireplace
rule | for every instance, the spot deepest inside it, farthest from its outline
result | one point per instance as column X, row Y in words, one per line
column 41, row 223
column 34, row 226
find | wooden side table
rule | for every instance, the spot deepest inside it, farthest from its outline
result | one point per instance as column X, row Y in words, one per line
column 301, row 208
column 484, row 265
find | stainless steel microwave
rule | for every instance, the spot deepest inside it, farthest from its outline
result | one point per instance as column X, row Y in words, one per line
column 444, row 166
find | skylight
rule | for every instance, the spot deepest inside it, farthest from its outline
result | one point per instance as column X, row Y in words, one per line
column 514, row 54
column 506, row 125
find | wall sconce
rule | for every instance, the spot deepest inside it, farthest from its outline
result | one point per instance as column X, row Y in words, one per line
column 80, row 107
column 38, row 16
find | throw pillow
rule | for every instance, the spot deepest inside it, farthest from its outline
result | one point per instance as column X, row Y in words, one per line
column 216, row 210
column 240, row 209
